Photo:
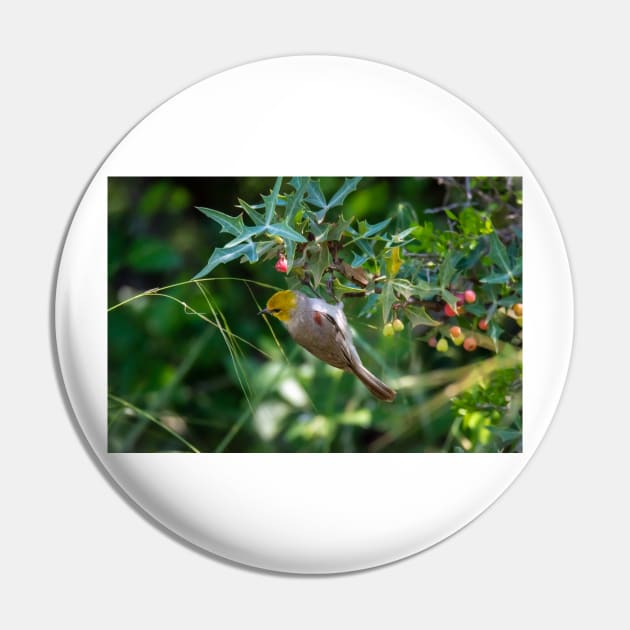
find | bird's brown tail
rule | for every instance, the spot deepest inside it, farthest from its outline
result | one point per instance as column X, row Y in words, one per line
column 377, row 388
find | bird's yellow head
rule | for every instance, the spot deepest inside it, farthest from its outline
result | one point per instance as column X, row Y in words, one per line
column 281, row 305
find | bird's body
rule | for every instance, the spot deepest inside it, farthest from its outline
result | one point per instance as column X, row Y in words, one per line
column 323, row 330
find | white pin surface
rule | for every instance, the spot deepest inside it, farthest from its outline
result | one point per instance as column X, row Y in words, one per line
column 362, row 510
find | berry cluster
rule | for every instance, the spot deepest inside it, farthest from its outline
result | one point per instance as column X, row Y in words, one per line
column 394, row 326
column 468, row 340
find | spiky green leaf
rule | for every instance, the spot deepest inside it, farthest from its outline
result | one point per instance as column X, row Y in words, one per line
column 418, row 316
column 350, row 185
column 271, row 200
column 251, row 212
column 285, row 232
column 231, row 225
column 226, row 254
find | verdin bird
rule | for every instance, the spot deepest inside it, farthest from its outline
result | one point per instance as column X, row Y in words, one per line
column 323, row 330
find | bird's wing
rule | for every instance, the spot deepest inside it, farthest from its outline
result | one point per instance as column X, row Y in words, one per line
column 342, row 336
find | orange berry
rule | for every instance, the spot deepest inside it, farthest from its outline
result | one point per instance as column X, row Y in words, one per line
column 483, row 324
column 455, row 331
column 518, row 309
column 470, row 296
column 470, row 344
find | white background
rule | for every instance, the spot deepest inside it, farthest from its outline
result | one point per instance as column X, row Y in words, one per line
column 553, row 550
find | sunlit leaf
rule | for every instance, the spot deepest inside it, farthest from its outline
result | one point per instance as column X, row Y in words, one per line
column 394, row 262
column 358, row 417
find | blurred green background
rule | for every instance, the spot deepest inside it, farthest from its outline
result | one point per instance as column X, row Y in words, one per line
column 176, row 385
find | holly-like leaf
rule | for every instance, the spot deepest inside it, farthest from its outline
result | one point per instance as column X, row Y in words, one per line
column 300, row 184
column 315, row 195
column 448, row 268
column 271, row 200
column 418, row 316
column 498, row 254
column 285, row 232
column 494, row 332
column 246, row 234
column 225, row 254
column 339, row 229
column 289, row 248
column 264, row 250
column 319, row 264
column 366, row 247
column 350, row 185
column 231, row 225
column 252, row 213
column 497, row 278
column 358, row 259
column 366, row 230
column 449, row 298
column 387, row 300
column 471, row 259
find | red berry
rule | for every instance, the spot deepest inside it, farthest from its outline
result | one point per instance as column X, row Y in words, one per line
column 455, row 331
column 432, row 342
column 449, row 312
column 483, row 324
column 470, row 344
column 470, row 296
column 281, row 264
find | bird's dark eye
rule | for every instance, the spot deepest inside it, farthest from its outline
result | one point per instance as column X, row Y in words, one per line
column 275, row 310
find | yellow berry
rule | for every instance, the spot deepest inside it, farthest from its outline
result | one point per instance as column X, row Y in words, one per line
column 388, row 330
column 398, row 325
column 442, row 345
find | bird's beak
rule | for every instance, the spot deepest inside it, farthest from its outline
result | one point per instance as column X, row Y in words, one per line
column 265, row 311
